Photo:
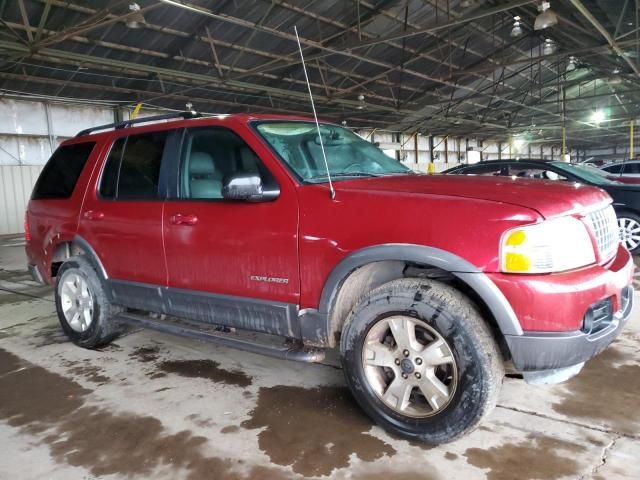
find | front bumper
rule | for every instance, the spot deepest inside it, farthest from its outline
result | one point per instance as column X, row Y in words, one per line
column 536, row 351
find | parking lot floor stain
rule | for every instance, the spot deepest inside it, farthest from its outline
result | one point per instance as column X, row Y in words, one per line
column 315, row 430
column 589, row 394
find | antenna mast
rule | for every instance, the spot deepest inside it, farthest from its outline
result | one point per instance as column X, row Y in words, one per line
column 315, row 116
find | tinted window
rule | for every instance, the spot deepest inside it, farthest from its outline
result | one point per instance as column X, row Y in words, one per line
column 489, row 169
column 613, row 168
column 539, row 173
column 210, row 155
column 60, row 174
column 132, row 171
column 632, row 168
column 109, row 182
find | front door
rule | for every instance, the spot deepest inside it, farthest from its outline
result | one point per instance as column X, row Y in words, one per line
column 121, row 219
column 230, row 262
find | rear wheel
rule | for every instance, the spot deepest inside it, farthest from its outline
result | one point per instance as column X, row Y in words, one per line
column 421, row 361
column 83, row 309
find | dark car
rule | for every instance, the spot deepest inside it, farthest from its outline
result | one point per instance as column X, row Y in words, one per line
column 626, row 198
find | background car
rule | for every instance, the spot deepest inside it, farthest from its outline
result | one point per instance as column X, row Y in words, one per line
column 626, row 198
column 625, row 171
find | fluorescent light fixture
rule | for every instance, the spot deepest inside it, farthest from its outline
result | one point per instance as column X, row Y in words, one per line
column 135, row 19
column 598, row 116
column 549, row 46
column 546, row 18
column 518, row 143
column 516, row 31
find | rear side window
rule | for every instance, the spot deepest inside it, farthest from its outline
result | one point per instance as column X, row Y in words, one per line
column 61, row 173
column 632, row 168
column 488, row 169
column 132, row 171
column 613, row 169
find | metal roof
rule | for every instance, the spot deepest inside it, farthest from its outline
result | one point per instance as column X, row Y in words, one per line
column 434, row 66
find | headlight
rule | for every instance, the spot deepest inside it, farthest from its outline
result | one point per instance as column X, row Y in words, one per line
column 551, row 246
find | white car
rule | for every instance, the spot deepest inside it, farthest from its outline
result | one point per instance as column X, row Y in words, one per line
column 630, row 168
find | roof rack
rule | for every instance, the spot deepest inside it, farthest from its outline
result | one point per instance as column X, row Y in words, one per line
column 127, row 123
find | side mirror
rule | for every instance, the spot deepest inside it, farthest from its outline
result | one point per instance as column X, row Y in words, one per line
column 247, row 187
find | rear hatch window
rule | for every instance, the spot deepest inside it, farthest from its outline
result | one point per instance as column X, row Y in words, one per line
column 60, row 175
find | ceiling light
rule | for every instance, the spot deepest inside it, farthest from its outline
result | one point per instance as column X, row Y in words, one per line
column 516, row 31
column 549, row 47
column 598, row 116
column 571, row 65
column 135, row 18
column 546, row 18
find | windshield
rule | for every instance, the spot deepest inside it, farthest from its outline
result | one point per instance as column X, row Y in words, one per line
column 348, row 155
column 586, row 172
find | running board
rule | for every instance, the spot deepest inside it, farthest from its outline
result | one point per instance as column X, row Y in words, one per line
column 310, row 355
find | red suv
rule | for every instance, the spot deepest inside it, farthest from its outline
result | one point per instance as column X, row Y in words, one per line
column 430, row 286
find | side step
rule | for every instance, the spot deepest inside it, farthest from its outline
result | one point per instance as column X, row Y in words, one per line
column 189, row 330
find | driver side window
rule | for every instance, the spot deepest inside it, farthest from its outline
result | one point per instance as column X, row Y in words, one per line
column 211, row 155
column 539, row 173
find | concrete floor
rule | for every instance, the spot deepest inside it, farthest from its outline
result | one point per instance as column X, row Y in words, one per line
column 156, row 406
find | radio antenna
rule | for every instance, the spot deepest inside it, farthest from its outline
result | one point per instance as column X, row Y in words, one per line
column 315, row 116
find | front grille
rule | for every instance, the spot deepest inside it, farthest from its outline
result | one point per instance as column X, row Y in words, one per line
column 604, row 225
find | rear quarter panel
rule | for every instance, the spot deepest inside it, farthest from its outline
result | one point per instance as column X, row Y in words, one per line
column 54, row 221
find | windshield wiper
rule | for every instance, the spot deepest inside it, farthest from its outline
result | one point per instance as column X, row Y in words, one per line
column 345, row 174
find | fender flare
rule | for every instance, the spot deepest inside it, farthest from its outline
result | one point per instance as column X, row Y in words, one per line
column 468, row 273
column 92, row 256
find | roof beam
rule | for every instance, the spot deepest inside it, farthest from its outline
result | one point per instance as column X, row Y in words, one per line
column 203, row 38
column 603, row 31
column 25, row 20
column 347, row 49
column 202, row 80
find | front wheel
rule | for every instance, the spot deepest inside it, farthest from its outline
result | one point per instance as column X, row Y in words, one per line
column 421, row 361
column 629, row 225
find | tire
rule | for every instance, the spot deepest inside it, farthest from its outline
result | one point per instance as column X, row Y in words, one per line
column 92, row 327
column 471, row 372
column 629, row 224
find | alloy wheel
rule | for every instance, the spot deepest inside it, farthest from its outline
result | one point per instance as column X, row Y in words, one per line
column 629, row 232
column 76, row 301
column 409, row 366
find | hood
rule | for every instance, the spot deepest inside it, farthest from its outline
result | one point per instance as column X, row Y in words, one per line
column 548, row 198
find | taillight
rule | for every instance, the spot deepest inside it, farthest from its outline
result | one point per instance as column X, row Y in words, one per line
column 27, row 230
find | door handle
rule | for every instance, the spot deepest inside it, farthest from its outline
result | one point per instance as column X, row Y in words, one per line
column 179, row 219
column 93, row 215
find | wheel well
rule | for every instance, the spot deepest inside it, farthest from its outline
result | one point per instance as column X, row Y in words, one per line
column 367, row 277
column 627, row 210
column 62, row 252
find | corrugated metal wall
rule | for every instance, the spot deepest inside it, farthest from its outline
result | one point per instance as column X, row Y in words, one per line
column 29, row 132
column 16, row 183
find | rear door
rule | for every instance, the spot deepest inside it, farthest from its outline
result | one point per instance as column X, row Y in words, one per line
column 230, row 262
column 121, row 218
